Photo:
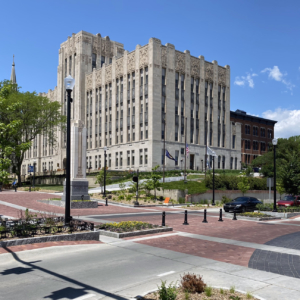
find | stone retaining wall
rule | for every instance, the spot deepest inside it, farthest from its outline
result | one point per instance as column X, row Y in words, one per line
column 74, row 205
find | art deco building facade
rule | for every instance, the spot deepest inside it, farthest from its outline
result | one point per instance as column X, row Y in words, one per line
column 124, row 98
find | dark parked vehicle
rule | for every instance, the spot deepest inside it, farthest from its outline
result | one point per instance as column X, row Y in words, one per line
column 289, row 201
column 241, row 204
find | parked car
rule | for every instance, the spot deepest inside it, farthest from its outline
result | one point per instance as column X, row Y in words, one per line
column 289, row 201
column 241, row 204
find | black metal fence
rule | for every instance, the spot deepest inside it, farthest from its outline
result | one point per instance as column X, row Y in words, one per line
column 40, row 227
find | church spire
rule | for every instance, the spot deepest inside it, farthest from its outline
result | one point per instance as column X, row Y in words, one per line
column 13, row 77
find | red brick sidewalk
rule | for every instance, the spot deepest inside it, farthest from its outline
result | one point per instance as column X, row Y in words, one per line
column 221, row 252
column 45, row 245
column 246, row 231
column 29, row 200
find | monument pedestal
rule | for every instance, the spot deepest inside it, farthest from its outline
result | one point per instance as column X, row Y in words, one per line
column 79, row 185
column 79, row 190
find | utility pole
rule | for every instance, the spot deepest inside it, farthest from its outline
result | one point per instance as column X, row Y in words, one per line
column 164, row 148
column 185, row 152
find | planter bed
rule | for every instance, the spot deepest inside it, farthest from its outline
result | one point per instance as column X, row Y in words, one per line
column 133, row 233
column 284, row 215
column 141, row 205
column 82, row 236
column 239, row 217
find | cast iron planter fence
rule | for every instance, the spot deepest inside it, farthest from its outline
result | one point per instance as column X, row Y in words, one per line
column 40, row 227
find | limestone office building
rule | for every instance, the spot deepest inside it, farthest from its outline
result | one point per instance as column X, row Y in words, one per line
column 124, row 97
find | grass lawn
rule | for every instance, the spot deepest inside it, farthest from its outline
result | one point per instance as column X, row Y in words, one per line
column 193, row 187
column 196, row 176
column 54, row 188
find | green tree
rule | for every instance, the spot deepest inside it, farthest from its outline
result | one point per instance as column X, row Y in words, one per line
column 244, row 185
column 289, row 174
column 100, row 178
column 155, row 177
column 279, row 188
column 30, row 115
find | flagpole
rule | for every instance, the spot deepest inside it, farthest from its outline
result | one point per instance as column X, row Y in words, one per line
column 185, row 153
column 164, row 149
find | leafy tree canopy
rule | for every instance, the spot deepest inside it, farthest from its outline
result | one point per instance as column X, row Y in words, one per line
column 23, row 116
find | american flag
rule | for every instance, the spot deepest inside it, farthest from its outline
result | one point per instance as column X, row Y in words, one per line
column 187, row 150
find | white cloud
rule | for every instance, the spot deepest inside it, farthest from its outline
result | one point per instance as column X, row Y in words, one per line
column 288, row 121
column 244, row 80
column 274, row 73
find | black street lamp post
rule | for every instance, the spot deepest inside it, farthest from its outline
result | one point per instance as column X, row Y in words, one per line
column 69, row 85
column 104, row 192
column 274, row 142
column 34, row 163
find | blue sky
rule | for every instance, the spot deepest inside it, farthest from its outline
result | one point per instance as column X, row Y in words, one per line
column 259, row 39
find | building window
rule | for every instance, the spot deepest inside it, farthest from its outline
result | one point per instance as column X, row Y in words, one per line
column 262, row 132
column 141, row 156
column 102, row 60
column 121, row 159
column 231, row 163
column 128, row 158
column 94, row 61
column 132, row 157
column 176, row 157
column 247, row 129
column 233, row 141
column 263, row 146
column 117, row 159
column 109, row 160
column 219, row 162
column 223, row 162
column 270, row 131
column 146, row 157
column 235, row 163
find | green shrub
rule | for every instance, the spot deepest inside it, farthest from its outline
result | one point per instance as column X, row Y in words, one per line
column 128, row 197
column 225, row 200
column 232, row 289
column 167, row 293
column 181, row 200
column 208, row 291
column 121, row 197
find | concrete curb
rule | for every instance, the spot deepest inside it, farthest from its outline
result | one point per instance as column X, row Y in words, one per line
column 134, row 233
column 74, row 205
column 42, row 252
column 84, row 236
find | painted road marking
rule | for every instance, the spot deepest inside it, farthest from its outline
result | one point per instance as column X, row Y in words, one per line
column 164, row 274
column 85, row 297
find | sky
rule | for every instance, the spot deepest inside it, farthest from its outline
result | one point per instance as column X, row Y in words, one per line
column 258, row 39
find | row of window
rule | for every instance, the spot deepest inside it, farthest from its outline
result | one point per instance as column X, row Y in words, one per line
column 255, row 131
column 96, row 161
column 255, row 145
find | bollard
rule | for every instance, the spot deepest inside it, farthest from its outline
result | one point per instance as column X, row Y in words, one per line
column 204, row 220
column 220, row 218
column 30, row 189
column 106, row 202
column 163, row 222
column 185, row 218
column 234, row 216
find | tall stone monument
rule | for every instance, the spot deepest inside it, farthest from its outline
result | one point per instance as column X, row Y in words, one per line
column 79, row 184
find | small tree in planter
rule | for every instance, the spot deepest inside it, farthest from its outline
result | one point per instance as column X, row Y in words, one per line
column 244, row 185
column 100, row 178
column 155, row 177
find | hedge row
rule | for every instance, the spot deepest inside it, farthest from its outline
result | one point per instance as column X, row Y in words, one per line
column 230, row 182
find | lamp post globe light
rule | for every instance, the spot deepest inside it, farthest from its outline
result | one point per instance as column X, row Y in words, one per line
column 274, row 142
column 69, row 85
column 104, row 192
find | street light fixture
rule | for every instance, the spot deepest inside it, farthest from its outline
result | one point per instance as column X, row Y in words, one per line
column 274, row 142
column 69, row 85
column 104, row 192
